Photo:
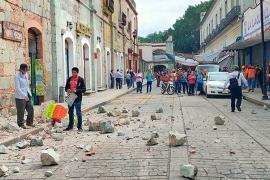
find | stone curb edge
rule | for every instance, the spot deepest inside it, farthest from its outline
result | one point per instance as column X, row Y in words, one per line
column 254, row 101
column 14, row 140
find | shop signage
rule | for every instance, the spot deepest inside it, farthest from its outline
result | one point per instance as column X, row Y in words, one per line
column 252, row 21
column 83, row 29
column 12, row 31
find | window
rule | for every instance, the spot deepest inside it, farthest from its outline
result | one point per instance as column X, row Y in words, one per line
column 226, row 7
column 216, row 20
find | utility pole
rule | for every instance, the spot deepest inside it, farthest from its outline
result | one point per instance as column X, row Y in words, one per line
column 265, row 96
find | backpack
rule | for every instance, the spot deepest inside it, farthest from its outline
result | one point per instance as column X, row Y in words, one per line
column 234, row 82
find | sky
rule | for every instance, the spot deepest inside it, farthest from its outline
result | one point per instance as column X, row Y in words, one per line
column 159, row 15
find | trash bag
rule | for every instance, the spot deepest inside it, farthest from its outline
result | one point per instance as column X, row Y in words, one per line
column 60, row 112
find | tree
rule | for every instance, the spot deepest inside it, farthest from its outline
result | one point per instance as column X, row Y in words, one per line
column 185, row 32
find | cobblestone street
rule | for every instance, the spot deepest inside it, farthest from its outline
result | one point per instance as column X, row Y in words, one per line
column 233, row 151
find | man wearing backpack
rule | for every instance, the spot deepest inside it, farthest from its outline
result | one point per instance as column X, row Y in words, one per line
column 236, row 80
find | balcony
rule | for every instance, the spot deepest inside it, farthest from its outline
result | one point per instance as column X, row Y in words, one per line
column 231, row 16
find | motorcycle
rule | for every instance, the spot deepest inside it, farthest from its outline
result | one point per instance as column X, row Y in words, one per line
column 168, row 87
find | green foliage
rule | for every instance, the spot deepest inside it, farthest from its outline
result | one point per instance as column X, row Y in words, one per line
column 185, row 32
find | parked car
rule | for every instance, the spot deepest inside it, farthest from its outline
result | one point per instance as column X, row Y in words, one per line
column 214, row 84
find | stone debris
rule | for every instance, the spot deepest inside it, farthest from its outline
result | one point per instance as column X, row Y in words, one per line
column 124, row 110
column 92, row 153
column 141, row 126
column 214, row 127
column 265, row 107
column 23, row 144
column 16, row 169
column 188, row 171
column 111, row 114
column 94, row 126
column 177, row 139
column 58, row 137
column 121, row 134
column 154, row 117
column 48, row 173
column 11, row 126
column 106, row 126
column 36, row 141
column 87, row 122
column 155, row 135
column 135, row 113
column 217, row 141
column 152, row 142
column 3, row 149
column 219, row 120
column 124, row 122
column 253, row 112
column 49, row 157
column 3, row 170
column 88, row 148
column 101, row 110
column 26, row 161
column 159, row 110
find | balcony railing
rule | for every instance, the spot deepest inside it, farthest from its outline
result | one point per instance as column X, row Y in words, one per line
column 234, row 13
column 108, row 6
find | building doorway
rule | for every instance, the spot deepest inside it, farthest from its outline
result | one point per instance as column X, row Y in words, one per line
column 36, row 66
column 99, row 70
column 68, row 63
column 108, row 68
column 86, row 66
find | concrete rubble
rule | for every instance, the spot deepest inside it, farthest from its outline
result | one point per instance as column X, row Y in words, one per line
column 177, row 139
column 152, row 141
column 155, row 135
column 188, row 171
column 48, row 173
column 26, row 161
column 124, row 110
column 49, row 157
column 3, row 149
column 135, row 113
column 23, row 144
column 106, row 126
column 219, row 120
column 58, row 137
column 101, row 110
column 88, row 148
column 94, row 126
column 3, row 170
column 16, row 169
column 11, row 126
column 159, row 110
column 154, row 117
column 36, row 141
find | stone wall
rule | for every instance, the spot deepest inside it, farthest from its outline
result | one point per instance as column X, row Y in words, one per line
column 25, row 14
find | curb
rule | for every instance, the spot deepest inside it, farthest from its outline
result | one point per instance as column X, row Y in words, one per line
column 257, row 102
column 14, row 140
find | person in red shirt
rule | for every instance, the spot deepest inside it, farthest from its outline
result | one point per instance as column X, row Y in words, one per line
column 75, row 84
column 191, row 82
column 251, row 78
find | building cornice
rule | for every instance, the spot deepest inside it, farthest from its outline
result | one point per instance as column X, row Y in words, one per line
column 209, row 10
column 132, row 6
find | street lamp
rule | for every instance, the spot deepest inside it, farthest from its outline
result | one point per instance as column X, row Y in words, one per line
column 134, row 36
column 264, row 97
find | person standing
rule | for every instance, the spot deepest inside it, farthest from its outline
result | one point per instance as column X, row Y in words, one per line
column 251, row 78
column 75, row 84
column 236, row 80
column 260, row 78
column 139, row 81
column 122, row 77
column 199, row 82
column 192, row 83
column 117, row 79
column 158, row 78
column 179, row 77
column 132, row 75
column 23, row 98
column 112, row 79
column 128, row 79
column 149, row 79
column 185, row 82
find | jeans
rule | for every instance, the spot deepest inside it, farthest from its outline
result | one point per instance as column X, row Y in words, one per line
column 178, row 86
column 117, row 80
column 77, row 105
column 129, row 83
column 185, row 87
column 158, row 82
column 149, row 86
column 236, row 94
column 112, row 83
column 200, row 87
column 191, row 89
column 139, row 87
column 251, row 84
column 21, row 106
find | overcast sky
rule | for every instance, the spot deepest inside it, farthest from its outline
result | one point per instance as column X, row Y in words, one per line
column 159, row 15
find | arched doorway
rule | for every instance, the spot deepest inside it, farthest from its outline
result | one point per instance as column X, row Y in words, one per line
column 36, row 65
column 69, row 62
column 159, row 68
column 86, row 66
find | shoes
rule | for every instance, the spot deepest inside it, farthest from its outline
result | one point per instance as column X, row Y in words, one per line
column 33, row 125
column 68, row 129
column 232, row 110
column 80, row 130
column 23, row 127
column 239, row 108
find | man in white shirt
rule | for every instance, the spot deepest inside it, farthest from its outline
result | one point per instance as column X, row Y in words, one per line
column 236, row 90
column 23, row 98
column 139, row 81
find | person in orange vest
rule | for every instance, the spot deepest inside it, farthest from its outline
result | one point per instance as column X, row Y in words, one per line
column 191, row 82
column 251, row 78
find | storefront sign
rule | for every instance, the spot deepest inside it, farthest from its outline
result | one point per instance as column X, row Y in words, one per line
column 83, row 29
column 252, row 21
column 12, row 31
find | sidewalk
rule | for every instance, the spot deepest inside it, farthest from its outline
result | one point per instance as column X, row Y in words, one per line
column 89, row 102
column 256, row 98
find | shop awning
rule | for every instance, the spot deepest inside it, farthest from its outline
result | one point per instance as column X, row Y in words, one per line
column 248, row 43
column 207, row 57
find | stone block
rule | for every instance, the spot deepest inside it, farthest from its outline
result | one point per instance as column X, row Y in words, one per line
column 49, row 157
column 188, row 171
column 177, row 139
column 106, row 127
